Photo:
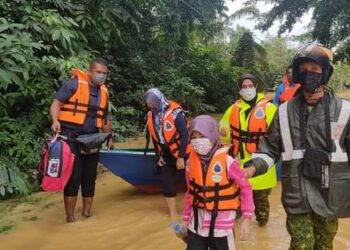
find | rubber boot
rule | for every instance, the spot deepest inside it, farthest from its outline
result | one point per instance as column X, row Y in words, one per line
column 87, row 203
column 69, row 205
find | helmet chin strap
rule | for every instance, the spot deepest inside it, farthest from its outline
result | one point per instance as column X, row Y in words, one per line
column 312, row 98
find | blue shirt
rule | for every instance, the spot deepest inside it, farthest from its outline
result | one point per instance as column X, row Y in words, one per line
column 279, row 91
column 181, row 126
column 65, row 93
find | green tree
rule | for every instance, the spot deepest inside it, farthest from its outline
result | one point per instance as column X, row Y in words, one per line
column 147, row 44
column 330, row 19
column 250, row 57
column 278, row 57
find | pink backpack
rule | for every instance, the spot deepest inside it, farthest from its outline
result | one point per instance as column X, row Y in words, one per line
column 56, row 166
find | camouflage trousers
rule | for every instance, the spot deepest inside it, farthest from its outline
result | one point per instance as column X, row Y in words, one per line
column 311, row 231
column 262, row 206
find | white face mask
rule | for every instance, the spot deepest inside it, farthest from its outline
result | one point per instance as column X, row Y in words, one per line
column 202, row 145
column 248, row 94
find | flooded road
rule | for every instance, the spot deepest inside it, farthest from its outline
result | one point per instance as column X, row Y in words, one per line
column 123, row 218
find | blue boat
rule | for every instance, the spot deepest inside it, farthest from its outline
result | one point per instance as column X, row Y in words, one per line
column 138, row 169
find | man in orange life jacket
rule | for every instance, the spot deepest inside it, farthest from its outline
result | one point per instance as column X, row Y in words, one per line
column 167, row 126
column 80, row 107
column 287, row 89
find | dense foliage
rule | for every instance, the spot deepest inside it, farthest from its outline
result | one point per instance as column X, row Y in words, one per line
column 182, row 47
column 330, row 19
column 147, row 43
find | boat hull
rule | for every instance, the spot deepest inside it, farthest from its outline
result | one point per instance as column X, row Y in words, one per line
column 138, row 169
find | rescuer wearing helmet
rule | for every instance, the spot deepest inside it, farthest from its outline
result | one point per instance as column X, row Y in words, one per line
column 312, row 135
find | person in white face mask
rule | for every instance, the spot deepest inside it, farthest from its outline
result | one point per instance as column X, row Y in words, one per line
column 213, row 179
column 242, row 126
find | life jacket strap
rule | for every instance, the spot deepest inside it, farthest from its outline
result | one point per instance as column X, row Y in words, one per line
column 247, row 134
column 210, row 188
column 213, row 198
column 90, row 113
column 214, row 214
column 92, row 107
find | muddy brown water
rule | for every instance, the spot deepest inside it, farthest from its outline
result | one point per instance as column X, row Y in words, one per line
column 126, row 219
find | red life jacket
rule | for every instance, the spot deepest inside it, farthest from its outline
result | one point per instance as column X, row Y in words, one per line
column 257, row 127
column 289, row 91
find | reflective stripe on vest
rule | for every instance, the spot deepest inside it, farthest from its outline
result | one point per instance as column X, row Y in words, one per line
column 77, row 107
column 257, row 127
column 214, row 186
column 337, row 129
column 170, row 133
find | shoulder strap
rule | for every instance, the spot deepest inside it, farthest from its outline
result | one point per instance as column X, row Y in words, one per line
column 302, row 121
column 175, row 112
column 328, row 122
column 230, row 151
column 262, row 101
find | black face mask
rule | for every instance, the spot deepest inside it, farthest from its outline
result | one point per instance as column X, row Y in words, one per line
column 310, row 81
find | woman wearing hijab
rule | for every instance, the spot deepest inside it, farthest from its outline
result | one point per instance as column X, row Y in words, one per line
column 166, row 124
column 242, row 125
column 213, row 179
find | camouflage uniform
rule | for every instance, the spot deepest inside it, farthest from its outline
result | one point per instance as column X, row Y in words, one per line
column 299, row 135
column 311, row 231
column 262, row 206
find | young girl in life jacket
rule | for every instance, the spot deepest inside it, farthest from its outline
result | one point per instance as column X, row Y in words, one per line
column 213, row 179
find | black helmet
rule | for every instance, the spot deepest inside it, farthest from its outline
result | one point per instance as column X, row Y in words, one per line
column 317, row 53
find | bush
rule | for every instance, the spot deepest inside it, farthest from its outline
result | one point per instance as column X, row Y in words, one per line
column 12, row 180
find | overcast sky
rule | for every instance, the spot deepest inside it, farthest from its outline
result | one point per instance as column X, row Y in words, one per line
column 299, row 28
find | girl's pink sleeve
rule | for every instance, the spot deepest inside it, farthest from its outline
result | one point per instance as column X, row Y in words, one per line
column 187, row 204
column 246, row 193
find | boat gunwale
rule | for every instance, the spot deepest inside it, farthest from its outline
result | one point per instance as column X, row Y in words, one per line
column 127, row 152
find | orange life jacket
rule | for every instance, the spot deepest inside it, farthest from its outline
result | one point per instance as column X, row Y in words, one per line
column 212, row 190
column 257, row 127
column 289, row 91
column 77, row 107
column 170, row 133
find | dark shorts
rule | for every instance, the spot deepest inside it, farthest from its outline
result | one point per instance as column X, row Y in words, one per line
column 170, row 174
column 197, row 242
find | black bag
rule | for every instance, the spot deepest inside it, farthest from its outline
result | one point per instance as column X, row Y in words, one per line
column 91, row 143
column 316, row 166
column 316, row 162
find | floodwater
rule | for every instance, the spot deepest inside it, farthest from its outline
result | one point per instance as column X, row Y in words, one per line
column 126, row 219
